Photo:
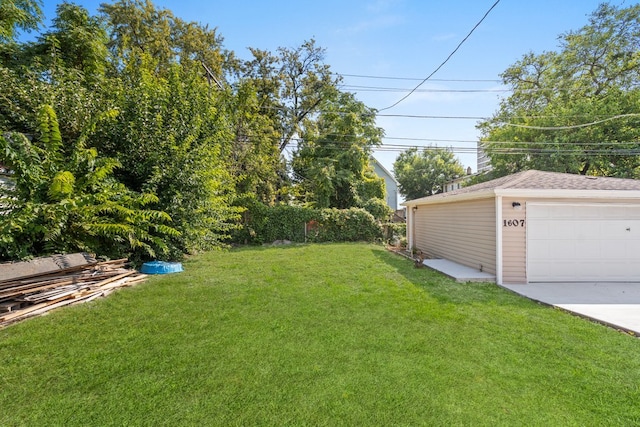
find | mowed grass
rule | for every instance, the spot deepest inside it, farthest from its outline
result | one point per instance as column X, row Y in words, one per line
column 318, row 335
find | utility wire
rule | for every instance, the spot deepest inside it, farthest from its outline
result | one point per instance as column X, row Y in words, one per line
column 419, row 79
column 417, row 116
column 445, row 61
column 400, row 89
column 619, row 116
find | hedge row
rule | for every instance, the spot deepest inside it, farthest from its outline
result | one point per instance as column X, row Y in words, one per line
column 264, row 224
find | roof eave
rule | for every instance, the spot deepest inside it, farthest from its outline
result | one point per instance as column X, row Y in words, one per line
column 445, row 198
column 568, row 193
column 526, row 192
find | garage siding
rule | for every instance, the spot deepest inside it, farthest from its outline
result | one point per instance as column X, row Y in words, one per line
column 514, row 256
column 463, row 232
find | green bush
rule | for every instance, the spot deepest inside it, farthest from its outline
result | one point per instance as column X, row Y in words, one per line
column 378, row 208
column 265, row 224
column 347, row 225
column 395, row 232
column 67, row 201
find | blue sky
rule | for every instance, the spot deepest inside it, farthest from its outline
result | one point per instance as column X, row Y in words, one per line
column 400, row 39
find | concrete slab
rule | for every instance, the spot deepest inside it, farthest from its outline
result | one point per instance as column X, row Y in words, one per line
column 461, row 273
column 614, row 304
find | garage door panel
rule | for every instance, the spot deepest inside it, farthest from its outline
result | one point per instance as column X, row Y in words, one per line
column 538, row 229
column 591, row 251
column 562, row 230
column 583, row 242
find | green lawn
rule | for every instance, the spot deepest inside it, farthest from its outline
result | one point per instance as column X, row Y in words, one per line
column 319, row 335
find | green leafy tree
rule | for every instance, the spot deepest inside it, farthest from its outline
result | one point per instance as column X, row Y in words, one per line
column 332, row 164
column 254, row 159
column 173, row 140
column 66, row 201
column 137, row 27
column 24, row 90
column 76, row 41
column 424, row 173
column 291, row 87
column 574, row 110
column 64, row 68
column 18, row 15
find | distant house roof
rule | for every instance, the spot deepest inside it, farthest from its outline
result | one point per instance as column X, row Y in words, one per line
column 538, row 183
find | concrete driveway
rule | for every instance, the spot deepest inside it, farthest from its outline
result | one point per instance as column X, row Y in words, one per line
column 614, row 304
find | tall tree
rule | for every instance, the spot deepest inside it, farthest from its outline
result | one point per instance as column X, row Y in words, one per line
column 574, row 110
column 253, row 158
column 332, row 163
column 138, row 27
column 77, row 41
column 17, row 15
column 424, row 173
column 172, row 138
column 292, row 86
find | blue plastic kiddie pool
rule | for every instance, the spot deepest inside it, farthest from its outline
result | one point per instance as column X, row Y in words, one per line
column 161, row 267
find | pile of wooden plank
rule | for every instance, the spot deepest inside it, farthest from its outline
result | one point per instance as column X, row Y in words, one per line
column 34, row 287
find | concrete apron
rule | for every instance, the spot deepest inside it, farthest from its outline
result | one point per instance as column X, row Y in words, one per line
column 614, row 304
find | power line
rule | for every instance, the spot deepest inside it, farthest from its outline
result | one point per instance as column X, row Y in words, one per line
column 445, row 61
column 513, row 150
column 619, row 116
column 399, row 89
column 418, row 116
column 595, row 148
column 475, row 141
column 415, row 116
column 420, row 79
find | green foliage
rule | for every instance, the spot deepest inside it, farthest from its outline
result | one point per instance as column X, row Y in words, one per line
column 77, row 41
column 139, row 28
column 347, row 225
column 128, row 84
column 68, row 202
column 574, row 110
column 18, row 14
column 173, row 141
column 378, row 208
column 254, row 161
column 395, row 233
column 425, row 173
column 61, row 185
column 266, row 224
column 292, row 86
column 332, row 164
column 76, row 101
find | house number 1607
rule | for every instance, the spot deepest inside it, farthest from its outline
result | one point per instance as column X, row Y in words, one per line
column 513, row 223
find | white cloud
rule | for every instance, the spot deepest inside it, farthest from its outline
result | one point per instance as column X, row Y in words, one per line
column 444, row 37
column 380, row 6
column 374, row 23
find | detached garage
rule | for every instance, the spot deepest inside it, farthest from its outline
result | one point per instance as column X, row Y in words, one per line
column 535, row 226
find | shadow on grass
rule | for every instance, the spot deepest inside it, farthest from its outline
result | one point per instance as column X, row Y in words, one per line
column 445, row 289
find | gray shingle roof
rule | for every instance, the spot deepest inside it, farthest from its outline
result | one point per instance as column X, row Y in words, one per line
column 539, row 180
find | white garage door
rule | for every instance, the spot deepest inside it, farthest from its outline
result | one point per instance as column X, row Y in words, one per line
column 585, row 242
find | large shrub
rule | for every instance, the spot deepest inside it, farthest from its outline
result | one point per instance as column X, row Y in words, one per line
column 65, row 200
column 378, row 208
column 266, row 224
column 347, row 225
